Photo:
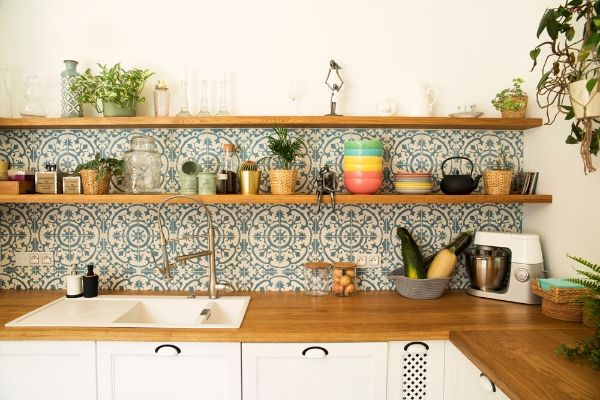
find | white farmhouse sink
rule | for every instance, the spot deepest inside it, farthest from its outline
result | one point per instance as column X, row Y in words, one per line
column 140, row 312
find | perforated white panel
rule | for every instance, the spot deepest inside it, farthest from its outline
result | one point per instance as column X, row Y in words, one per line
column 414, row 376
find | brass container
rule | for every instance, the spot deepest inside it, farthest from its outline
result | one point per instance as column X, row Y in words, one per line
column 249, row 182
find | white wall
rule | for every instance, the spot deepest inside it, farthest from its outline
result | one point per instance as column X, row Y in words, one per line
column 468, row 49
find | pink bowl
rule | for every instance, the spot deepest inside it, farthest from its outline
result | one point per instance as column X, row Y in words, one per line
column 362, row 174
column 363, row 185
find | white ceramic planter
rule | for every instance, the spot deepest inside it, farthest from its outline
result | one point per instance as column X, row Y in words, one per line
column 585, row 105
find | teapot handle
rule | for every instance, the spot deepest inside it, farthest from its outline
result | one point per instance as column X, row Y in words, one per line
column 458, row 158
column 435, row 97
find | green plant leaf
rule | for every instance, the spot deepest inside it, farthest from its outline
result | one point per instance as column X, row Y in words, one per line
column 549, row 14
column 543, row 80
column 571, row 140
column 590, row 85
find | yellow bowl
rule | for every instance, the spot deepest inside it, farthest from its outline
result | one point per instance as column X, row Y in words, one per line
column 363, row 168
column 351, row 160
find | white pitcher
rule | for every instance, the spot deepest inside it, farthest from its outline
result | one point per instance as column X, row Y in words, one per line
column 421, row 99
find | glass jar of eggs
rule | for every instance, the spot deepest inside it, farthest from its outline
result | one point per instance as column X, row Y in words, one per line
column 344, row 278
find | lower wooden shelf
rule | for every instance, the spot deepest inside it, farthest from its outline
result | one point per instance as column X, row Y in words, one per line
column 278, row 199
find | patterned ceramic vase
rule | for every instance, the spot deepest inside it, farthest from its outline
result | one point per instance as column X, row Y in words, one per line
column 70, row 107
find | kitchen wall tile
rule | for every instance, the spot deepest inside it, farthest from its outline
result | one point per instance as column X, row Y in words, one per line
column 259, row 247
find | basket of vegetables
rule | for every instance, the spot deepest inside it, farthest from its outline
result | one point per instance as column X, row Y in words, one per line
column 426, row 279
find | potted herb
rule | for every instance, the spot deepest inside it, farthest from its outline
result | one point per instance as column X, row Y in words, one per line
column 284, row 152
column 118, row 90
column 511, row 102
column 497, row 180
column 588, row 348
column 570, row 72
column 249, row 177
column 96, row 174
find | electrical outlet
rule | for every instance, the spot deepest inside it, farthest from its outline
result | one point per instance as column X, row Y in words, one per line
column 34, row 259
column 374, row 260
column 360, row 259
column 47, row 258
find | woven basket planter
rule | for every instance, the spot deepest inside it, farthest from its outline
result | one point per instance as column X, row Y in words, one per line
column 283, row 181
column 497, row 181
column 565, row 304
column 93, row 186
column 518, row 113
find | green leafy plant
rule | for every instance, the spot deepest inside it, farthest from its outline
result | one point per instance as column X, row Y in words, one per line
column 114, row 85
column 587, row 348
column 284, row 149
column 103, row 166
column 508, row 99
column 571, row 54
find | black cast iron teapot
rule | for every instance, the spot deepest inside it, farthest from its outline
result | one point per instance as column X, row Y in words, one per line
column 455, row 183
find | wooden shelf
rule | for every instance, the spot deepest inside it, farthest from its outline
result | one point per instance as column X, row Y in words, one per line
column 270, row 121
column 278, row 199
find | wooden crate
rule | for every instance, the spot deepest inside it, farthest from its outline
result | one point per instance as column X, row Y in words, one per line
column 16, row 187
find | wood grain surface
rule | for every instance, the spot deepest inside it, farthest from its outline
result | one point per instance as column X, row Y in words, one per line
column 278, row 199
column 525, row 366
column 270, row 121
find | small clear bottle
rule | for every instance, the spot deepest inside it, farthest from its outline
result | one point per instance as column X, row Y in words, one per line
column 32, row 105
column 227, row 176
column 162, row 99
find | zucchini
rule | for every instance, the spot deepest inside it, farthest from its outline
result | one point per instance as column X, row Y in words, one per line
column 460, row 243
column 414, row 267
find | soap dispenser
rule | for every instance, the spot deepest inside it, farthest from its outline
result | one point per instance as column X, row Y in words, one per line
column 90, row 283
column 74, row 285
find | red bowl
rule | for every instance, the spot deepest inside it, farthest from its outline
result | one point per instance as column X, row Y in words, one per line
column 362, row 174
column 363, row 185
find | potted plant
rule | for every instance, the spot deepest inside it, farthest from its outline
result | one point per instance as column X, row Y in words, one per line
column 249, row 177
column 96, row 174
column 511, row 102
column 588, row 348
column 497, row 180
column 284, row 151
column 570, row 72
column 118, row 90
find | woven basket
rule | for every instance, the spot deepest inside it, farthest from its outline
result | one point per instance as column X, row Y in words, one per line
column 516, row 114
column 563, row 311
column 420, row 289
column 497, row 181
column 283, row 181
column 93, row 186
column 565, row 304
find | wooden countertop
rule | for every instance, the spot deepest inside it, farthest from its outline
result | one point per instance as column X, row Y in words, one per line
column 524, row 364
column 512, row 343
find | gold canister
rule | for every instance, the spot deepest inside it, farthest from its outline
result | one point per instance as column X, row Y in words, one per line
column 249, row 182
column 3, row 170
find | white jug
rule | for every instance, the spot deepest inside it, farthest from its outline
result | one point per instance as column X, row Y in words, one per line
column 421, row 99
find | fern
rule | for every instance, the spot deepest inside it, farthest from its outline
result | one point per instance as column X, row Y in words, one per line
column 591, row 278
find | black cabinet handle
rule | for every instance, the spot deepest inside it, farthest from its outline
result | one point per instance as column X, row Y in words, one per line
column 171, row 351
column 482, row 375
column 412, row 343
column 308, row 351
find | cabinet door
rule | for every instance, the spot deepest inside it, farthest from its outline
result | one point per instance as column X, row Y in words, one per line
column 34, row 370
column 316, row 371
column 150, row 370
column 464, row 381
column 416, row 370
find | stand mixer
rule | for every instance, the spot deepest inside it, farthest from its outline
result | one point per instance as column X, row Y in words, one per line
column 501, row 266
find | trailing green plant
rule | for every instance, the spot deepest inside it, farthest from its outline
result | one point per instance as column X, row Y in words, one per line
column 103, row 166
column 508, row 99
column 571, row 54
column 113, row 85
column 284, row 150
column 587, row 348
column 249, row 165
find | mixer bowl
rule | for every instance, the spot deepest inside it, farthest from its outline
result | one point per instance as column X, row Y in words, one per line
column 487, row 267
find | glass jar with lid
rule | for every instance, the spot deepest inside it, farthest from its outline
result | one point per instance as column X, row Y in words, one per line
column 344, row 278
column 142, row 166
column 318, row 278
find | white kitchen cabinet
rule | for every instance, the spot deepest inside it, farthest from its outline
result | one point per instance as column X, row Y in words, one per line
column 49, row 370
column 464, row 381
column 153, row 370
column 316, row 371
column 415, row 370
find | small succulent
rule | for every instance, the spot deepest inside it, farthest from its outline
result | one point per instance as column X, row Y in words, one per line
column 249, row 165
column 502, row 162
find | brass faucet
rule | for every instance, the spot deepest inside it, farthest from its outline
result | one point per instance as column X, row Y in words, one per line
column 168, row 266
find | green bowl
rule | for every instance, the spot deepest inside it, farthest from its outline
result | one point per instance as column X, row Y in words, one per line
column 363, row 152
column 363, row 144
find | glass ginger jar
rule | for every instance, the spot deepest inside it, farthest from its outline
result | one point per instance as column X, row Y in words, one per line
column 142, row 166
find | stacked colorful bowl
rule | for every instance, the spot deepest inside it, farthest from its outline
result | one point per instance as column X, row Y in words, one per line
column 363, row 166
column 413, row 182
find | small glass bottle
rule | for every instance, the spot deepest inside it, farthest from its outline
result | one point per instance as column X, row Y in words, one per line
column 142, row 166
column 223, row 105
column 183, row 100
column 204, row 98
column 318, row 278
column 162, row 99
column 227, row 176
column 32, row 105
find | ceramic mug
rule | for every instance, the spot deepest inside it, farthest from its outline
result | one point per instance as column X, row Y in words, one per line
column 188, row 180
column 207, row 183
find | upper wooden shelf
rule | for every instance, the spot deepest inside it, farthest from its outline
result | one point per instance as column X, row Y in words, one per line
column 279, row 199
column 270, row 121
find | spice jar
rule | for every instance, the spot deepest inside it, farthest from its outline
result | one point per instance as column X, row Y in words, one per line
column 318, row 278
column 142, row 166
column 344, row 278
column 227, row 177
